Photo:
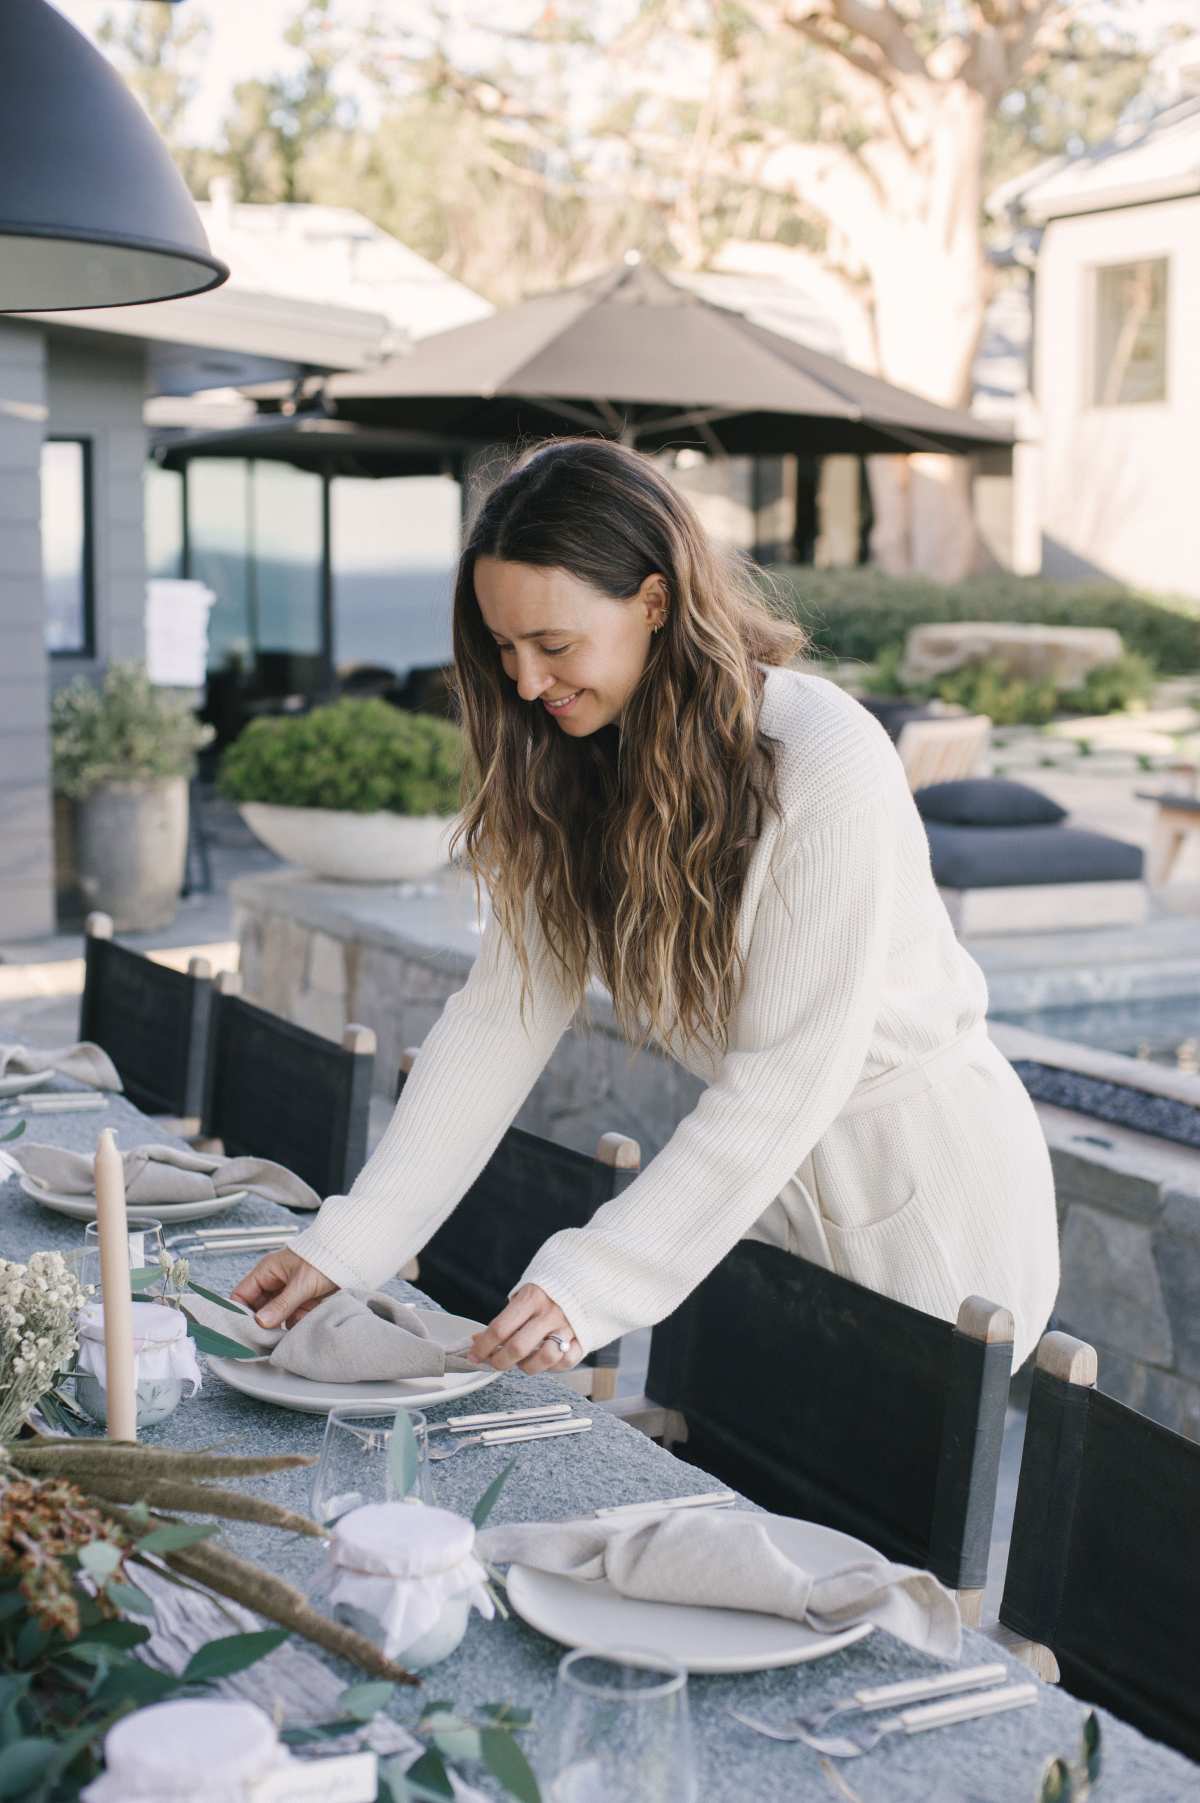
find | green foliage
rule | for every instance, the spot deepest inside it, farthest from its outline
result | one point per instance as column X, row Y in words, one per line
column 124, row 731
column 361, row 756
column 987, row 687
column 857, row 614
column 1111, row 687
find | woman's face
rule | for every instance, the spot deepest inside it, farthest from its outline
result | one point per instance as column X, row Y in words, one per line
column 560, row 640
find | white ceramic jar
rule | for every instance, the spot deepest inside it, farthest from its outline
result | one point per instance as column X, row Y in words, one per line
column 192, row 1750
column 407, row 1577
column 164, row 1360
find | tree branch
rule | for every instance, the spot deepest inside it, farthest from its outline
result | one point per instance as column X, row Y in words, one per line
column 875, row 20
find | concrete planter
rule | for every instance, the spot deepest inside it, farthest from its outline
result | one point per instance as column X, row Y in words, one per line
column 353, row 848
column 130, row 850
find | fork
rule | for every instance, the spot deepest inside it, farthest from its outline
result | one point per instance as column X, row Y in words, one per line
column 882, row 1696
column 501, row 1436
column 915, row 1721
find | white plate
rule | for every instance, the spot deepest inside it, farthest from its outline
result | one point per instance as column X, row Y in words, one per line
column 594, row 1615
column 16, row 1086
column 83, row 1208
column 267, row 1384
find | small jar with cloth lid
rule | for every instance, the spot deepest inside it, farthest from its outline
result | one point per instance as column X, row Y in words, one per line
column 192, row 1750
column 164, row 1360
column 406, row 1575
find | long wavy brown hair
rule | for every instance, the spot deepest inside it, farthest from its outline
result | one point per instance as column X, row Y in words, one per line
column 631, row 845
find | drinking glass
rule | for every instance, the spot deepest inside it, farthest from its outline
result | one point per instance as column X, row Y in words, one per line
column 618, row 1731
column 355, row 1466
column 146, row 1247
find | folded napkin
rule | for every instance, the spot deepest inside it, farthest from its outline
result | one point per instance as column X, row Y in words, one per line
column 162, row 1176
column 84, row 1063
column 729, row 1561
column 349, row 1338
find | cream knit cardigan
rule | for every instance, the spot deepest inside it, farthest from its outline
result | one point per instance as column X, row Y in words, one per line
column 860, row 1116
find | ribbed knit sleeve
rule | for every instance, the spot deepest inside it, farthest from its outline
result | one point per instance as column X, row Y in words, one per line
column 798, row 1042
column 477, row 1066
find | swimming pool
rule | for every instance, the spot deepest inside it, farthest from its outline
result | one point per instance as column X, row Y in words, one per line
column 1162, row 1029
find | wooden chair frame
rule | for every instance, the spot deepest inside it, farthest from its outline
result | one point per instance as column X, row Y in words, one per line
column 596, row 1378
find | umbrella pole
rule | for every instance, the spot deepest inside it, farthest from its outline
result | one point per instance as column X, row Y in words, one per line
column 327, row 669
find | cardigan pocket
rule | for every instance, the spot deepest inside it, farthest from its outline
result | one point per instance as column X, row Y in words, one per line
column 901, row 1256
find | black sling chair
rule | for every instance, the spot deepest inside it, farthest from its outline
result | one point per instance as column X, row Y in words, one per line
column 151, row 1020
column 821, row 1399
column 1104, row 1565
column 529, row 1189
column 275, row 1090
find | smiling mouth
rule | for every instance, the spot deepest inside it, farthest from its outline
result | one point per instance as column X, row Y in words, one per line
column 558, row 707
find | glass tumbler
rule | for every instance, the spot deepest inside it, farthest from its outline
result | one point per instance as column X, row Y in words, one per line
column 356, row 1466
column 146, row 1247
column 618, row 1731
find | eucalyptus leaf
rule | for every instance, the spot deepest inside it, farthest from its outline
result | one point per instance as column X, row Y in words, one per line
column 502, row 1713
column 11, row 1603
column 403, row 1457
column 13, row 1132
column 232, row 1653
column 99, row 1558
column 135, row 1684
column 427, row 1778
column 211, row 1296
column 216, row 1344
column 23, row 1764
column 129, row 1598
column 453, row 1737
column 505, row 1760
column 1056, row 1783
column 111, row 1634
column 176, row 1535
column 145, row 1278
column 362, row 1701
column 1091, row 1745
column 491, row 1495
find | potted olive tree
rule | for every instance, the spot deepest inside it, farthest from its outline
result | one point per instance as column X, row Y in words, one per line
column 123, row 753
column 359, row 791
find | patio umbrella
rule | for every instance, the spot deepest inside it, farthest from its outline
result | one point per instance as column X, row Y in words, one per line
column 327, row 447
column 634, row 355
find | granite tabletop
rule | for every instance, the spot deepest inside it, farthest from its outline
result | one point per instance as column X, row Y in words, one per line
column 989, row 1761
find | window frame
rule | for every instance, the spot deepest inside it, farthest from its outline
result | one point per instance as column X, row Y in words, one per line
column 87, row 649
column 1096, row 272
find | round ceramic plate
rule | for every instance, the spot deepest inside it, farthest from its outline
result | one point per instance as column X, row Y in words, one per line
column 83, row 1208
column 702, row 1640
column 257, row 1378
column 17, row 1086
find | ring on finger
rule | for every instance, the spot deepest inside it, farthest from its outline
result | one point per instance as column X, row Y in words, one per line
column 560, row 1340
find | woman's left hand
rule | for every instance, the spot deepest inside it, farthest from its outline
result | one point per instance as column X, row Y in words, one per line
column 518, row 1335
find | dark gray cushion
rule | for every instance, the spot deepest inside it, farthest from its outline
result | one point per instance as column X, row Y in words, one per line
column 894, row 712
column 1000, row 857
column 987, row 801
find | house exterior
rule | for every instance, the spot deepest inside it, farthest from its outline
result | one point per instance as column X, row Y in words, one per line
column 1115, row 360
column 313, row 290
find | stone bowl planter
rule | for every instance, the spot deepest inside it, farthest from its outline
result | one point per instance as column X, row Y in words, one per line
column 353, row 848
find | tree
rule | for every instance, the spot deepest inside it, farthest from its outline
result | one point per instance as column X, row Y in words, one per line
column 159, row 51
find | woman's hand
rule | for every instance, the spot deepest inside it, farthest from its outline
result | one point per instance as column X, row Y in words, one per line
column 282, row 1287
column 518, row 1335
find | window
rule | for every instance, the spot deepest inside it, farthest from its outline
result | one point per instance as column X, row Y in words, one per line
column 164, row 521
column 1131, row 334
column 67, row 546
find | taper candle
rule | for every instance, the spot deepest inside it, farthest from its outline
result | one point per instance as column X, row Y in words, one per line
column 116, row 1290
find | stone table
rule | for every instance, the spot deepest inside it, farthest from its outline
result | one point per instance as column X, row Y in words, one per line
column 997, row 1761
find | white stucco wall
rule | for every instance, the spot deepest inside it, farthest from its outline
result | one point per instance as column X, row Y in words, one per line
column 1119, row 484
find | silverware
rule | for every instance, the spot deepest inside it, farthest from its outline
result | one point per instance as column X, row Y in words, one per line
column 915, row 1721
column 711, row 1499
column 461, row 1424
column 503, row 1436
column 882, row 1696
column 218, row 1239
column 251, row 1243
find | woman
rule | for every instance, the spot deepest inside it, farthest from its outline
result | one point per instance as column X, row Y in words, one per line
column 731, row 847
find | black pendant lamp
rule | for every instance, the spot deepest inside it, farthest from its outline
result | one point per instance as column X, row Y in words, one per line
column 93, row 212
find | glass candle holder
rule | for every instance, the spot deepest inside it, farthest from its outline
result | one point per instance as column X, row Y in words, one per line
column 164, row 1361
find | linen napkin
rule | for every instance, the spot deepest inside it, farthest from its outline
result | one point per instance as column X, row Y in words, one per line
column 162, row 1176
column 729, row 1561
column 83, row 1063
column 350, row 1337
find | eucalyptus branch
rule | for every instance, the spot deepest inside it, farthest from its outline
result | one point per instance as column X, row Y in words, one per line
column 199, row 1499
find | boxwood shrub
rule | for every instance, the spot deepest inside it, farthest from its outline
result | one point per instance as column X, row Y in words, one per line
column 363, row 757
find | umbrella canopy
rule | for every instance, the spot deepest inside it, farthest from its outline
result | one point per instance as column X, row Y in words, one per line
column 635, row 355
column 327, row 447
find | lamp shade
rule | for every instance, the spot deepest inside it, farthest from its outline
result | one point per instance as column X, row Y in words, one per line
column 93, row 213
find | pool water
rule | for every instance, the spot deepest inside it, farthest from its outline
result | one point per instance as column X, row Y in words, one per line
column 1161, row 1029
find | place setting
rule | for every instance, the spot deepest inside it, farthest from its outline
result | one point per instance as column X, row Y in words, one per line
column 176, row 1182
